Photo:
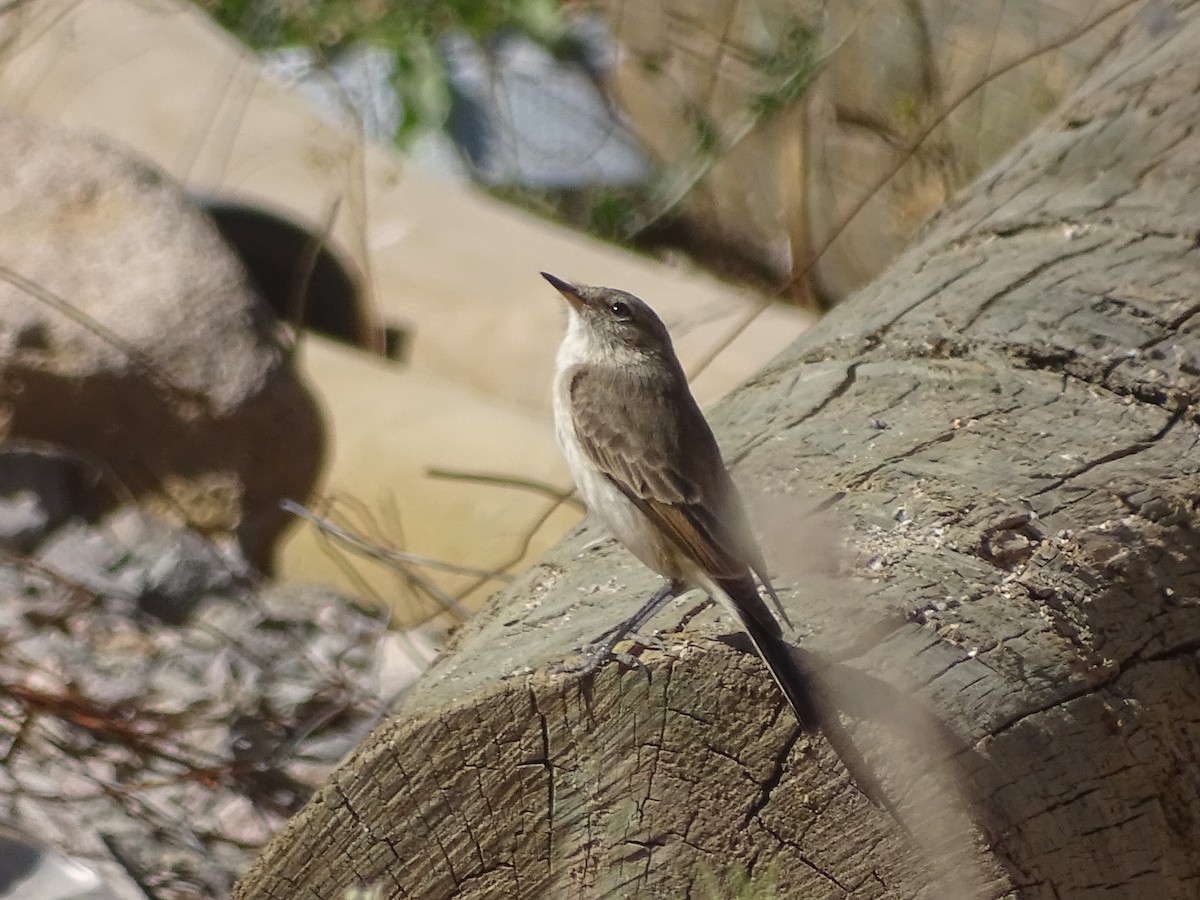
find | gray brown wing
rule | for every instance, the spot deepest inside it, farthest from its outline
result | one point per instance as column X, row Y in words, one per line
column 672, row 470
column 611, row 412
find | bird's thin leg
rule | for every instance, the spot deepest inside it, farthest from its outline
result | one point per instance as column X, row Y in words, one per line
column 599, row 651
column 650, row 608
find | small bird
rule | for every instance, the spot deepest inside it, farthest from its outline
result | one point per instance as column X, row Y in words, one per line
column 647, row 464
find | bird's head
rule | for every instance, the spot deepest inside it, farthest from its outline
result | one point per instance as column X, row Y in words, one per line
column 612, row 323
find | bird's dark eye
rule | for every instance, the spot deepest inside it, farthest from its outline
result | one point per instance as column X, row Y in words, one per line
column 621, row 310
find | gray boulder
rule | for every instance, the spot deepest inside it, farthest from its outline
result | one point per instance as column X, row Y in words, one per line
column 129, row 336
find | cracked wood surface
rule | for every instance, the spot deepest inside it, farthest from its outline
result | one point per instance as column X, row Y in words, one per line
column 1005, row 427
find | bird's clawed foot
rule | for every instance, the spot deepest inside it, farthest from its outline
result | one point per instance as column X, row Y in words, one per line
column 594, row 655
column 600, row 651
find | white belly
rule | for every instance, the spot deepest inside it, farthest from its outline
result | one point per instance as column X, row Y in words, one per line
column 604, row 499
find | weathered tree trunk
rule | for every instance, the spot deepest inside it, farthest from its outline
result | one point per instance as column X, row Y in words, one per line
column 1006, row 424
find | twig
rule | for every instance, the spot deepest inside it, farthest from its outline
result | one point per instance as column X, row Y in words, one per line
column 396, row 558
column 529, row 484
column 378, row 551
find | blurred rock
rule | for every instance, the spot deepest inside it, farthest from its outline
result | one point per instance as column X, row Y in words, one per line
column 160, row 756
column 29, row 870
column 524, row 117
column 128, row 334
column 160, row 570
column 35, row 497
column 353, row 88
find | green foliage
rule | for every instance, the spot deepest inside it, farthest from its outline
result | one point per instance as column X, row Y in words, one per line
column 329, row 24
column 788, row 69
column 705, row 132
column 604, row 212
column 408, row 29
column 613, row 211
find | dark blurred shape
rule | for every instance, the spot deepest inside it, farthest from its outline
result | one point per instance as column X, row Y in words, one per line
column 30, row 870
column 295, row 271
column 395, row 342
column 35, row 496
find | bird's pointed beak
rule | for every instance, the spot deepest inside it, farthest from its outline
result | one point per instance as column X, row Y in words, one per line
column 567, row 289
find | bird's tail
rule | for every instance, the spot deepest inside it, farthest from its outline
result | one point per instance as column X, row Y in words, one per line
column 799, row 685
column 779, row 656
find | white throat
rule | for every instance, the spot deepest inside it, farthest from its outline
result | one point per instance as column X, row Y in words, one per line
column 577, row 344
column 581, row 346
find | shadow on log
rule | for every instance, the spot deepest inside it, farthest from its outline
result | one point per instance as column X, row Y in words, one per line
column 1008, row 419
